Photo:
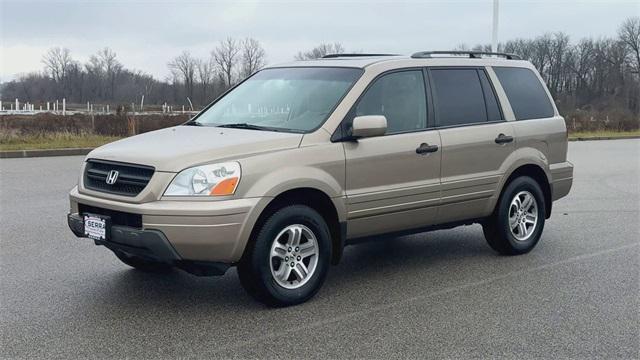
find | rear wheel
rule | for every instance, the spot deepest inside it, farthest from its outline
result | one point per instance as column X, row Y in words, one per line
column 516, row 225
column 142, row 264
column 289, row 259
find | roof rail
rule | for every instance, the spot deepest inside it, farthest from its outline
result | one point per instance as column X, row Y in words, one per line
column 331, row 56
column 470, row 54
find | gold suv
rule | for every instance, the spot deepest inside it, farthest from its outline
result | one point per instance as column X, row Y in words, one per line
column 280, row 173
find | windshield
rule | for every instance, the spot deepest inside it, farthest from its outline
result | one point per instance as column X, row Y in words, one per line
column 287, row 99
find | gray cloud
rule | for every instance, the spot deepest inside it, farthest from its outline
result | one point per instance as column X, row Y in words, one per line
column 146, row 34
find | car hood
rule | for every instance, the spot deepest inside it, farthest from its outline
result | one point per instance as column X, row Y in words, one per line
column 176, row 148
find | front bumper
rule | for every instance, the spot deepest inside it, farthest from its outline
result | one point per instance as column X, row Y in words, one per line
column 150, row 244
column 209, row 231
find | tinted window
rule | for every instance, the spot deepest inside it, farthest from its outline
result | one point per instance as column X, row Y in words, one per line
column 493, row 109
column 526, row 94
column 458, row 97
column 400, row 97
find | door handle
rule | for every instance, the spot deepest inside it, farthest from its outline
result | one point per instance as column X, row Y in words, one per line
column 503, row 139
column 425, row 148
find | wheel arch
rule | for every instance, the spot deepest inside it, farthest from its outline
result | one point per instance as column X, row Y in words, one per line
column 316, row 199
column 536, row 172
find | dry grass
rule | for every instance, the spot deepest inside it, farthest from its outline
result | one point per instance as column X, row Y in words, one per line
column 12, row 141
column 59, row 140
column 604, row 133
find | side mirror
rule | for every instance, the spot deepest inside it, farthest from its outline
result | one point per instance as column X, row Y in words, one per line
column 369, row 126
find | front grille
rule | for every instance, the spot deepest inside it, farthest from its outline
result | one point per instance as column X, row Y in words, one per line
column 131, row 180
column 117, row 217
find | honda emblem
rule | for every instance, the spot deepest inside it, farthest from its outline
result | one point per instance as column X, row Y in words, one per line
column 112, row 177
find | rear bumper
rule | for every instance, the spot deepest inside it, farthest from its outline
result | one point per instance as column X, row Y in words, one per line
column 561, row 179
column 207, row 231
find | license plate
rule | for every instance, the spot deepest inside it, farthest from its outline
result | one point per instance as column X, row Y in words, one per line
column 96, row 227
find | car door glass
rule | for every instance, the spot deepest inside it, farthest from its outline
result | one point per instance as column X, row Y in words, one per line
column 493, row 109
column 400, row 97
column 458, row 97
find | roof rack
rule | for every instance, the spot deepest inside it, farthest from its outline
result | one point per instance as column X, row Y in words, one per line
column 470, row 54
column 331, row 56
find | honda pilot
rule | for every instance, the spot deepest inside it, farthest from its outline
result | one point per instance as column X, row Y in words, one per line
column 299, row 160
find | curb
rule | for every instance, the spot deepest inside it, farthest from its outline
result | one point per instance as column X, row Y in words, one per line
column 12, row 154
column 605, row 138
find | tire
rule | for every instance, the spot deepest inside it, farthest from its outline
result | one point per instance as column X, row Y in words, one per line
column 266, row 275
column 512, row 229
column 143, row 264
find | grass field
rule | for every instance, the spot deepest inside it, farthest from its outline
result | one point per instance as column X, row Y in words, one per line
column 69, row 140
column 53, row 141
column 597, row 134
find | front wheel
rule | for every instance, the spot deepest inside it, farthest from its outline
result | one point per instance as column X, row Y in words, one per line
column 515, row 227
column 288, row 260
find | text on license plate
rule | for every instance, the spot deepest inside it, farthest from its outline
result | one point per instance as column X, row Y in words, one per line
column 95, row 227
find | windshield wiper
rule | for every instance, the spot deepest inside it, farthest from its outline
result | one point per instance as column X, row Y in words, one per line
column 193, row 123
column 247, row 126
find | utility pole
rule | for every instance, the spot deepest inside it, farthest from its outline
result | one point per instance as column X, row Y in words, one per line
column 494, row 37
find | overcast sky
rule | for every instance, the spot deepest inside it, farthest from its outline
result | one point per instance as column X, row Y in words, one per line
column 147, row 34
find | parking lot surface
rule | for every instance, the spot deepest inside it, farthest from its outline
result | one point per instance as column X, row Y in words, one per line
column 432, row 295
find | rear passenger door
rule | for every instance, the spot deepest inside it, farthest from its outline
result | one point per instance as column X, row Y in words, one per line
column 476, row 140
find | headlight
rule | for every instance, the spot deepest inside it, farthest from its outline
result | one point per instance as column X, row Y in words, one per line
column 206, row 180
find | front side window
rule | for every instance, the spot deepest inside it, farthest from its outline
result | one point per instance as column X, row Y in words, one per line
column 525, row 92
column 400, row 97
column 458, row 97
column 282, row 99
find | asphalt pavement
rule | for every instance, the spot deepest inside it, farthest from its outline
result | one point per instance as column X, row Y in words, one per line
column 443, row 294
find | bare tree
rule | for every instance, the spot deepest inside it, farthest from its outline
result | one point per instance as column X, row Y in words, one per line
column 253, row 57
column 184, row 67
column 206, row 75
column 57, row 62
column 629, row 33
column 225, row 57
column 320, row 51
column 111, row 66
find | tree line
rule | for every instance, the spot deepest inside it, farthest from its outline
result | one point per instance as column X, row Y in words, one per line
column 590, row 76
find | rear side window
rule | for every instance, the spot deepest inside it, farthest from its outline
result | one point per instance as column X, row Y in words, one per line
column 400, row 97
column 458, row 97
column 525, row 92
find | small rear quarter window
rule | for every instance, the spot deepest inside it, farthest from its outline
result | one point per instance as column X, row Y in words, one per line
column 525, row 92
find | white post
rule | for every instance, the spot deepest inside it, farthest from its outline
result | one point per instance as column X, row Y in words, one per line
column 56, row 109
column 88, row 108
column 64, row 106
column 17, row 104
column 48, row 106
column 40, row 107
column 142, row 104
column 1, row 105
column 494, row 37
column 183, row 109
column 107, row 108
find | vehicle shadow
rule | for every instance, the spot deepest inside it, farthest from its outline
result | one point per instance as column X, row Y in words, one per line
column 372, row 263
